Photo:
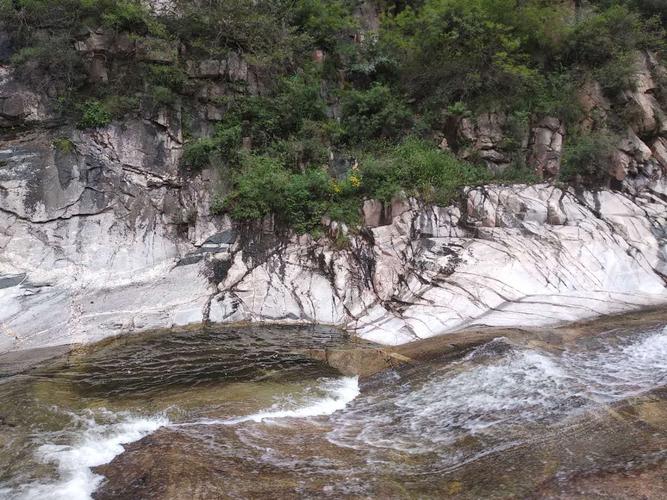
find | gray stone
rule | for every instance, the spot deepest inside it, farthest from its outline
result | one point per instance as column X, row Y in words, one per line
column 223, row 238
column 484, row 136
column 545, row 147
column 14, row 107
column 237, row 67
column 534, row 256
column 373, row 211
column 10, row 281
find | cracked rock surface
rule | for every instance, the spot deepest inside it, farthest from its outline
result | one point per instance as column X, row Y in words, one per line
column 100, row 235
column 91, row 230
column 516, row 256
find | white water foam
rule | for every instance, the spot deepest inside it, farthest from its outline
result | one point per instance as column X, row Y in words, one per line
column 96, row 444
column 340, row 392
column 624, row 370
column 498, row 392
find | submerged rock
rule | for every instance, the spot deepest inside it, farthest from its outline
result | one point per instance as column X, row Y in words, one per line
column 507, row 419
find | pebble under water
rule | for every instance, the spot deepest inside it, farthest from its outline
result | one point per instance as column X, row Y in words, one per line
column 245, row 413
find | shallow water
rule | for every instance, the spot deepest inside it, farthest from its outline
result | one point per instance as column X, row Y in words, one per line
column 243, row 413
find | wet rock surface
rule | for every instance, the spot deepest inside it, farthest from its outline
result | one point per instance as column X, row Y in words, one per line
column 248, row 412
column 527, row 432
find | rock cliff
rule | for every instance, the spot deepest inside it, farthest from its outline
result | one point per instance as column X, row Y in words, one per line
column 100, row 235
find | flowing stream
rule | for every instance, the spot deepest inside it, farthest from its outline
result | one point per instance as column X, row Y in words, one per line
column 245, row 413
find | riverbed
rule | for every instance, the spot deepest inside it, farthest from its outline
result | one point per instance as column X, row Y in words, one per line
column 248, row 412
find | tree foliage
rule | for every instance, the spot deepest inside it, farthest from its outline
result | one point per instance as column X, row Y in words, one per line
column 330, row 94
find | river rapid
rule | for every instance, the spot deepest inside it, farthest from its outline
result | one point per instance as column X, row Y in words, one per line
column 246, row 413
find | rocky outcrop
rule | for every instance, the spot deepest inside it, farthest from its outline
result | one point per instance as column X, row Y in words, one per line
column 88, row 220
column 488, row 138
column 524, row 256
column 105, row 238
column 483, row 136
column 638, row 160
column 545, row 148
column 644, row 111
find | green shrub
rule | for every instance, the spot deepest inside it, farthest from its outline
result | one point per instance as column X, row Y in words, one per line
column 326, row 21
column 217, row 204
column 299, row 153
column 163, row 95
column 369, row 63
column 421, row 169
column 262, row 30
column 64, row 145
column 376, row 113
column 120, row 105
column 94, row 115
column 259, row 190
column 458, row 109
column 265, row 187
column 518, row 172
column 48, row 60
column 652, row 8
column 557, row 96
column 228, row 140
column 123, row 15
column 618, row 74
column 197, row 154
column 605, row 41
column 171, row 77
column 600, row 36
column 462, row 50
column 588, row 155
column 515, row 130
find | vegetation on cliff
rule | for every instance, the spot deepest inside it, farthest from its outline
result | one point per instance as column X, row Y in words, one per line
column 311, row 106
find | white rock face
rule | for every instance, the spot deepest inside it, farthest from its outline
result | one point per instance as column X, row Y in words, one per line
column 91, row 230
column 520, row 256
column 102, row 236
